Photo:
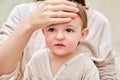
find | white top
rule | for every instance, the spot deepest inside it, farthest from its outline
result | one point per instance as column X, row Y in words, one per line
column 98, row 43
column 79, row 67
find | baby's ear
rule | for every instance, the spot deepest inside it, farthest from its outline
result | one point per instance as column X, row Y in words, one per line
column 84, row 33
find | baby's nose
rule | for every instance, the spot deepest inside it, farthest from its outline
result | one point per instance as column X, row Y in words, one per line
column 60, row 36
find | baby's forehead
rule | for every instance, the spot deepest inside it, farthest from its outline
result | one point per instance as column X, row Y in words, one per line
column 74, row 22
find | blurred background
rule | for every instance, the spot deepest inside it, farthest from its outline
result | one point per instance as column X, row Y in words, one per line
column 110, row 8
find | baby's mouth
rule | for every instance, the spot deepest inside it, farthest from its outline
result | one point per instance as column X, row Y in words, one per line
column 60, row 45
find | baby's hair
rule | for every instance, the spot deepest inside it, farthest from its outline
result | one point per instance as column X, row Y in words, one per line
column 38, row 0
column 78, row 1
column 82, row 14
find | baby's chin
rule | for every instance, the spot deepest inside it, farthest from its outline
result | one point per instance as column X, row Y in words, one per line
column 61, row 53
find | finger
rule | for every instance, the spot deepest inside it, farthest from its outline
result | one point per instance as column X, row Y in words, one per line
column 57, row 2
column 59, row 20
column 62, row 14
column 65, row 8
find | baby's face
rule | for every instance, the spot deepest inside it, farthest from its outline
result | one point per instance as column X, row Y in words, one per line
column 63, row 39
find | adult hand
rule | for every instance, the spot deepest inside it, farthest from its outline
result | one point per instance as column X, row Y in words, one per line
column 52, row 12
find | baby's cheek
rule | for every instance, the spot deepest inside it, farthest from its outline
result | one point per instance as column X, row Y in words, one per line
column 48, row 43
column 72, row 44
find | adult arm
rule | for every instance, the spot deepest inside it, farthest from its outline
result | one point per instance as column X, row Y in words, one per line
column 101, row 45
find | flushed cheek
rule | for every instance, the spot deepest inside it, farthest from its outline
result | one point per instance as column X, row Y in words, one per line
column 49, row 42
column 72, row 44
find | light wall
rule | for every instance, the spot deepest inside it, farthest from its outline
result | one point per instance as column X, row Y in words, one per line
column 6, row 6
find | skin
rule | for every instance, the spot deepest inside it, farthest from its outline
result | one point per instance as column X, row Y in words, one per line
column 62, row 40
column 48, row 13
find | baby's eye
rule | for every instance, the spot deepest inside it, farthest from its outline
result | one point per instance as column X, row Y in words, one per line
column 51, row 29
column 69, row 30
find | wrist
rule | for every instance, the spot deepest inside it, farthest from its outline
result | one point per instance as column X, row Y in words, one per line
column 27, row 27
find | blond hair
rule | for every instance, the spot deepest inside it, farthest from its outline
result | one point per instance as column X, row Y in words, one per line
column 78, row 1
column 82, row 14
